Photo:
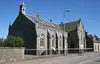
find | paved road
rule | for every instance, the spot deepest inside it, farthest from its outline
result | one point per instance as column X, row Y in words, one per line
column 86, row 58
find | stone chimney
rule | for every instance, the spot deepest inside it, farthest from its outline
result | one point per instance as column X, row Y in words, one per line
column 37, row 15
column 62, row 23
column 51, row 20
column 22, row 8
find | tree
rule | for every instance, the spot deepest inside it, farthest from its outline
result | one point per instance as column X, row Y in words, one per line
column 19, row 42
column 1, row 42
column 13, row 41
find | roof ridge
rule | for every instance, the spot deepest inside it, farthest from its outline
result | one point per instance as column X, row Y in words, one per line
column 40, row 19
column 90, row 37
column 72, row 21
column 31, row 15
column 44, row 22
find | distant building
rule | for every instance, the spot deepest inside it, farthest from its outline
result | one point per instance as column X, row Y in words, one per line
column 93, row 43
column 96, row 41
column 76, row 35
column 89, row 42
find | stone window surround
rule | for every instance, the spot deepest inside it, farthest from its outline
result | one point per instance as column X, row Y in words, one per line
column 42, row 40
column 95, row 47
column 60, row 41
column 53, row 41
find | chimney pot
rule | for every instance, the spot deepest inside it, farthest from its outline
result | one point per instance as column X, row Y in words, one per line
column 37, row 15
column 51, row 20
column 61, row 22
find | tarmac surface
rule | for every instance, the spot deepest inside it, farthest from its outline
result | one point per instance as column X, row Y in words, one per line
column 85, row 58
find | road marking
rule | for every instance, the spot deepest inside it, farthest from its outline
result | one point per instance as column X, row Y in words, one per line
column 89, row 60
column 85, row 61
column 97, row 57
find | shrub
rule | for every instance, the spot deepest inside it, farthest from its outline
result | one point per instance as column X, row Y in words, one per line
column 13, row 41
column 19, row 42
column 1, row 42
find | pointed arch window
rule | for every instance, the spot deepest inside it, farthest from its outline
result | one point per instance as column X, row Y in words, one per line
column 53, row 43
column 60, row 42
column 42, row 40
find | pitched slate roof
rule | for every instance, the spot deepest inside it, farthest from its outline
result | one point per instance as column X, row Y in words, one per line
column 95, row 40
column 90, row 36
column 43, row 23
column 70, row 26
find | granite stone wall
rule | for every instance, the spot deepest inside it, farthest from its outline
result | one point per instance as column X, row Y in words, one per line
column 11, row 54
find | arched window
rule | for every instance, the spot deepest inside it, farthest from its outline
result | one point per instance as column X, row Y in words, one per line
column 53, row 43
column 60, row 42
column 42, row 40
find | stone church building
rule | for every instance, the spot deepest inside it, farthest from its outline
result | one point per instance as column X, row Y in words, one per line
column 43, row 37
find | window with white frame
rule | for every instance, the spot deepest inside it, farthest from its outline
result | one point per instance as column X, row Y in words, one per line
column 66, row 43
column 42, row 40
column 60, row 42
column 95, row 47
column 53, row 43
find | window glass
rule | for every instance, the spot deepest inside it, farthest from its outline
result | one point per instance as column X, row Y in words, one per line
column 60, row 43
column 98, row 47
column 42, row 40
column 95, row 47
column 53, row 42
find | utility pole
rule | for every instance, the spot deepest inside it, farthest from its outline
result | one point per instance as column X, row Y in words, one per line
column 65, row 50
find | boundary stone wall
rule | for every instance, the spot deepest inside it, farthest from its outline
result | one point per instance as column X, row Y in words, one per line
column 11, row 54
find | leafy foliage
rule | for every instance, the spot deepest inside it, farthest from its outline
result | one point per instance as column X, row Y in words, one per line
column 1, row 42
column 13, row 41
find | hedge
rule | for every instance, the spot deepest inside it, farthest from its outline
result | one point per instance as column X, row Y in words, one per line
column 12, row 41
